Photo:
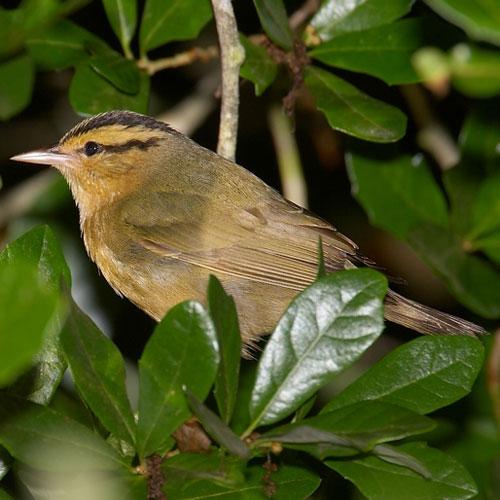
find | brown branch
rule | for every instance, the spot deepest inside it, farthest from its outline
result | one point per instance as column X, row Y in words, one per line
column 181, row 59
column 303, row 13
column 232, row 57
column 493, row 376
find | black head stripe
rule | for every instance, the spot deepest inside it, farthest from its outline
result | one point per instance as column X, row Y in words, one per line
column 134, row 143
column 125, row 118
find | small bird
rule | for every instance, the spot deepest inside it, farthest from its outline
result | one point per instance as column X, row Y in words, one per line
column 159, row 214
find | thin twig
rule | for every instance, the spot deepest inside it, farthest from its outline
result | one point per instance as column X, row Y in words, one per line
column 232, row 57
column 432, row 136
column 303, row 13
column 493, row 376
column 291, row 173
column 180, row 59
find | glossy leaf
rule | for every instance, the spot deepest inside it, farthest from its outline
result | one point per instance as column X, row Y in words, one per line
column 16, row 85
column 91, row 94
column 258, row 66
column 324, row 330
column 473, row 281
column 475, row 72
column 411, row 195
column 99, row 373
column 383, row 51
column 217, row 429
column 479, row 18
column 287, row 482
column 422, row 375
column 380, row 480
column 184, row 339
column 40, row 247
column 122, row 15
column 342, row 16
column 274, row 20
column 5, row 462
column 63, row 45
column 351, row 111
column 120, row 72
column 25, row 289
column 166, row 20
column 47, row 440
column 352, row 429
column 223, row 313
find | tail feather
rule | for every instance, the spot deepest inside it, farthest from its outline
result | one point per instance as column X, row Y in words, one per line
column 426, row 320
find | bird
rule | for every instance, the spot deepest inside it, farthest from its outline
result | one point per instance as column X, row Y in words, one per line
column 159, row 214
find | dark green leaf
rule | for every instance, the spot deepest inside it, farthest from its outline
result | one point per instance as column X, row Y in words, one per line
column 41, row 248
column 16, row 85
column 380, row 480
column 258, row 66
column 223, row 313
column 341, row 16
column 122, row 15
column 287, row 482
column 472, row 280
column 479, row 18
column 91, row 94
column 351, row 429
column 47, row 440
column 351, row 111
column 383, row 51
column 241, row 414
column 62, row 45
column 217, row 429
column 490, row 245
column 99, row 373
column 475, row 72
column 167, row 20
column 186, row 468
column 274, row 21
column 4, row 495
column 121, row 73
column 304, row 410
column 422, row 375
column 324, row 330
column 411, row 196
column 184, row 339
column 394, row 455
column 321, row 260
column 486, row 211
column 5, row 462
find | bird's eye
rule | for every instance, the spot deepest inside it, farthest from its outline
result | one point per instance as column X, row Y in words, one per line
column 91, row 148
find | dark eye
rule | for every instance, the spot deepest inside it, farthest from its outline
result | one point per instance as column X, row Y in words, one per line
column 91, row 148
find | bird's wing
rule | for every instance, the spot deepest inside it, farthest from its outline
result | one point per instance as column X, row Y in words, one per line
column 274, row 242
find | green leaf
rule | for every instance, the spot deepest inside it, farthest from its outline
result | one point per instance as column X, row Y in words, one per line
column 184, row 339
column 241, row 414
column 63, row 45
column 223, row 313
column 122, row 15
column 342, row 16
column 47, row 440
column 480, row 19
column 490, row 245
column 258, row 66
column 274, row 21
column 16, row 85
column 351, row 111
column 321, row 271
column 324, row 330
column 422, row 375
column 472, row 280
column 24, row 288
column 99, row 373
column 287, row 482
column 475, row 72
column 486, row 211
column 4, row 495
column 41, row 248
column 217, row 429
column 185, row 469
column 384, row 52
column 166, row 20
column 380, row 480
column 5, row 462
column 90, row 94
column 411, row 195
column 121, row 73
column 394, row 455
column 350, row 430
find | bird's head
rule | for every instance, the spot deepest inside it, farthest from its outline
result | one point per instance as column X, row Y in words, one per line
column 106, row 156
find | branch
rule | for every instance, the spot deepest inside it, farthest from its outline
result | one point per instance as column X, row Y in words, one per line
column 232, row 57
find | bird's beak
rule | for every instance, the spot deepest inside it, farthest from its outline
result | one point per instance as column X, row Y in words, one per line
column 44, row 157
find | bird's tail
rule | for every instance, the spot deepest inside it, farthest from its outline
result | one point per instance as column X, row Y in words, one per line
column 424, row 319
